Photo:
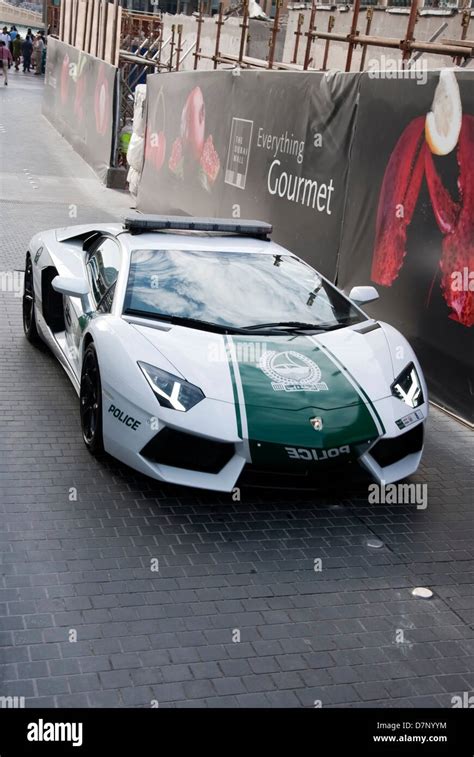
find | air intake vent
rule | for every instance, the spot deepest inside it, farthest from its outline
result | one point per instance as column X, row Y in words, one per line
column 180, row 450
column 389, row 451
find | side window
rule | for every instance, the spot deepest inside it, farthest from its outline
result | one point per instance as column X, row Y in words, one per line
column 105, row 305
column 103, row 268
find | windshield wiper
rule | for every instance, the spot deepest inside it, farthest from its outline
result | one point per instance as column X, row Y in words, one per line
column 178, row 320
column 295, row 326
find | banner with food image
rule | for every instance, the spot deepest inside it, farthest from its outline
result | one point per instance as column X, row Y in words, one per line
column 409, row 222
column 273, row 146
column 367, row 178
column 78, row 100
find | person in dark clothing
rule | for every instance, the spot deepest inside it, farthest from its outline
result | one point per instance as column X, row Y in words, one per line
column 27, row 49
column 16, row 51
column 43, row 56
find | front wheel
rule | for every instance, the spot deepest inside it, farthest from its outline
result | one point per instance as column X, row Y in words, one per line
column 90, row 399
column 29, row 309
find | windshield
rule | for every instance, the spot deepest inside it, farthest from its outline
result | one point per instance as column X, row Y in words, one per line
column 234, row 290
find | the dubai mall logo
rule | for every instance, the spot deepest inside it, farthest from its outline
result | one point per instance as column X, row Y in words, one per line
column 292, row 372
column 239, row 152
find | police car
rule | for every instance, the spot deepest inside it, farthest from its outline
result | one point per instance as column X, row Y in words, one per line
column 198, row 347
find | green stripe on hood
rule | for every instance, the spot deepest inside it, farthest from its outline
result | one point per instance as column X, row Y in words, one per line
column 282, row 383
column 233, row 368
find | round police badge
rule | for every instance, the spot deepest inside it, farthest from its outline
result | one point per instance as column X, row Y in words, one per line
column 292, row 371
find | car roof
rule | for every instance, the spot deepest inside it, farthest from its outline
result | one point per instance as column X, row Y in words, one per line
column 174, row 240
column 202, row 241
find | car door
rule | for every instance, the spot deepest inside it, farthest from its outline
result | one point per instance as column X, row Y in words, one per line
column 102, row 265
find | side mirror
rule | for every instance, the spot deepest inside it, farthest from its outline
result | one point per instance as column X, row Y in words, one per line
column 362, row 295
column 73, row 288
column 70, row 287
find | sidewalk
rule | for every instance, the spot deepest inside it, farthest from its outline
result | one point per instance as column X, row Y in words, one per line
column 43, row 181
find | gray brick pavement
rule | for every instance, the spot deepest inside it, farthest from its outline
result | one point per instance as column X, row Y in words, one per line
column 84, row 566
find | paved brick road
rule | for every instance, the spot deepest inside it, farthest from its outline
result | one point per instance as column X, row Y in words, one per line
column 350, row 634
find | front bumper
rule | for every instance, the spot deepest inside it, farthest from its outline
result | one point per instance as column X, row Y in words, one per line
column 395, row 458
column 202, row 448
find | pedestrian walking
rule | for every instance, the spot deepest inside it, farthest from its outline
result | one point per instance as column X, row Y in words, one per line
column 5, row 37
column 43, row 56
column 26, row 50
column 17, row 45
column 5, row 59
column 38, row 47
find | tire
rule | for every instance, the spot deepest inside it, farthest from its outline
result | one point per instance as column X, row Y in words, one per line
column 90, row 399
column 28, row 305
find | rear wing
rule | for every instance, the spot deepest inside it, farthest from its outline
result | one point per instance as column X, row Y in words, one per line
column 145, row 223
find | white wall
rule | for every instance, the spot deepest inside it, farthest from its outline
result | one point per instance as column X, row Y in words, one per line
column 229, row 42
column 384, row 24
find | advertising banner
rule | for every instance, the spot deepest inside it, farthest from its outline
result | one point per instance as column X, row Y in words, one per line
column 270, row 146
column 409, row 220
column 368, row 177
column 78, row 100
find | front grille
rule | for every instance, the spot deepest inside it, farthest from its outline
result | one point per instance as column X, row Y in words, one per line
column 389, row 451
column 304, row 477
column 180, row 450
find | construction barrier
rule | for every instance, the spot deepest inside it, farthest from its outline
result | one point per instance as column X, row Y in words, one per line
column 79, row 101
column 351, row 179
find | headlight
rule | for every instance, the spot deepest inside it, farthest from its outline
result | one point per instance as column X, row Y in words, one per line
column 407, row 387
column 171, row 391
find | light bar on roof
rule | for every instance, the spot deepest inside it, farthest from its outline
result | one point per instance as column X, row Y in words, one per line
column 140, row 224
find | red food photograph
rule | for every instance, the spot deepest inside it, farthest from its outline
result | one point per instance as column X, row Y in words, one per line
column 155, row 141
column 65, row 76
column 101, row 102
column 192, row 153
column 193, row 124
column 155, row 149
column 210, row 163
column 79, row 97
column 443, row 130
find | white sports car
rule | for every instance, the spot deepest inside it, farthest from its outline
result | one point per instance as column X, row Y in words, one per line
column 199, row 346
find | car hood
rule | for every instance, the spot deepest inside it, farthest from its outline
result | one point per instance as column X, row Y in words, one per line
column 335, row 369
